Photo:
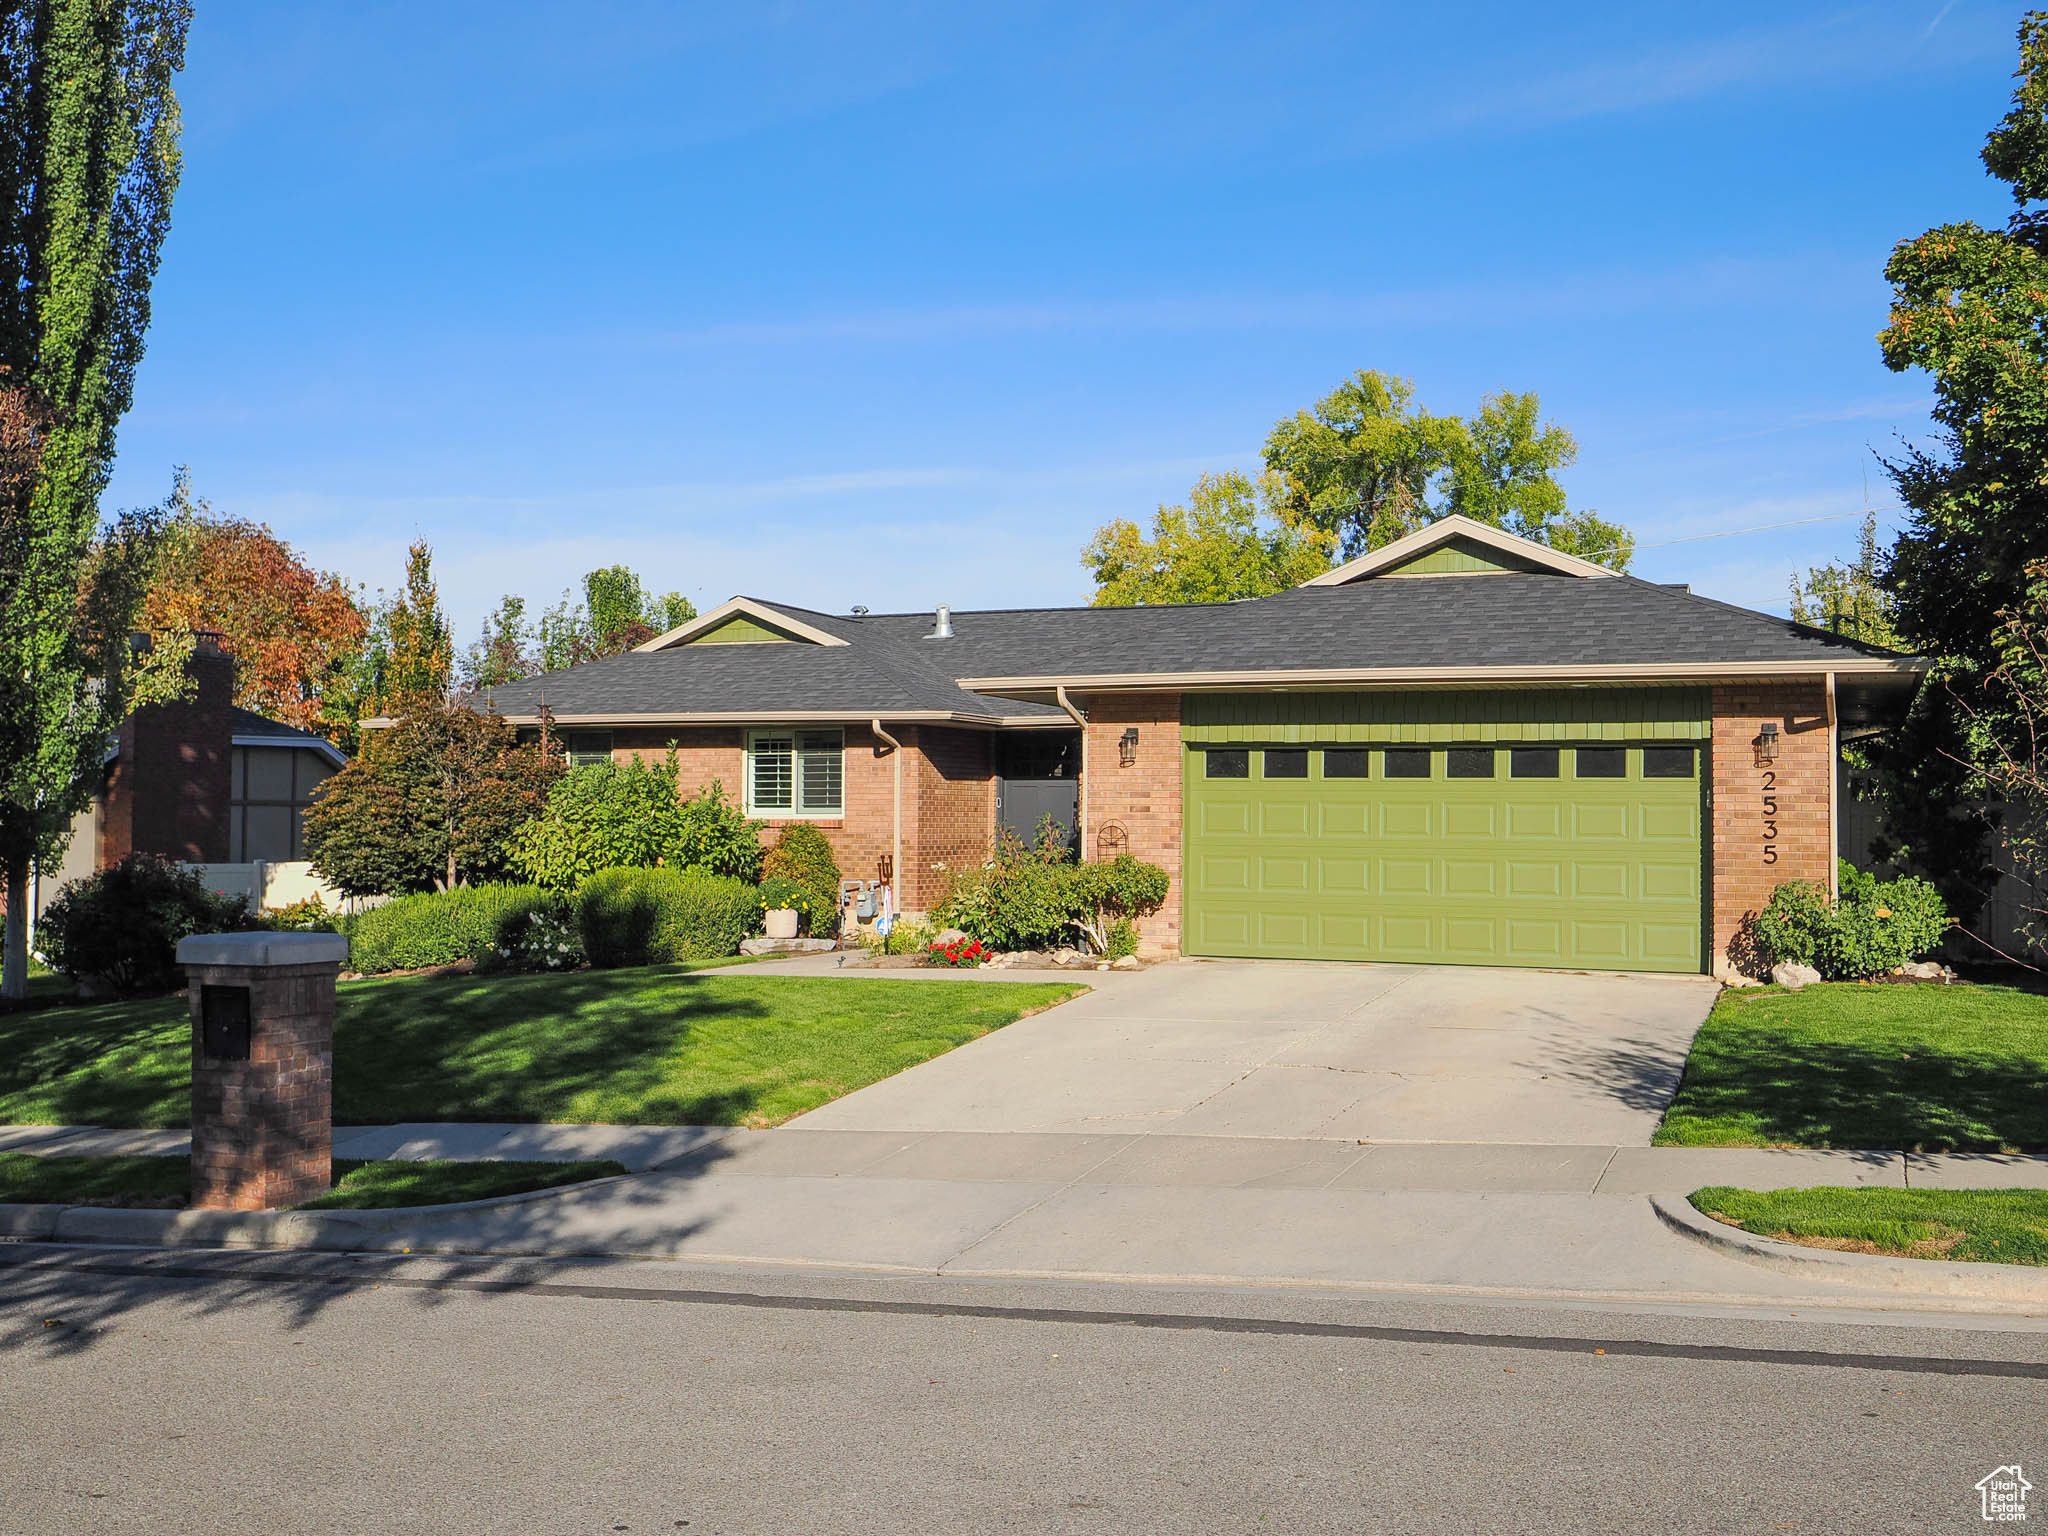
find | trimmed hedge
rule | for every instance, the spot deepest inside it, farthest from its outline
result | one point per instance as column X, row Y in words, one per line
column 804, row 855
column 656, row 916
column 442, row 927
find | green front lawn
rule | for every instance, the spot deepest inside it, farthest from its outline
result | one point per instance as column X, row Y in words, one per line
column 1995, row 1226
column 1918, row 1068
column 163, row 1183
column 654, row 1046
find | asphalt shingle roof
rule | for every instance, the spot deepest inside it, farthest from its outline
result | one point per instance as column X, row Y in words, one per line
column 1489, row 620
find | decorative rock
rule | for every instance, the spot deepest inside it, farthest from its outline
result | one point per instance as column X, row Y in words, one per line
column 1792, row 976
column 786, row 946
column 1126, row 963
column 949, row 936
column 1922, row 970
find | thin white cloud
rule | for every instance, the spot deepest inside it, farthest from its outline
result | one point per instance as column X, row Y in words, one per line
column 1939, row 16
column 1478, row 303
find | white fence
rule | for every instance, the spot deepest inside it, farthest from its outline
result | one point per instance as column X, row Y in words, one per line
column 272, row 883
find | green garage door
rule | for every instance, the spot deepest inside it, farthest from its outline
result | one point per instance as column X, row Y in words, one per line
column 1551, row 853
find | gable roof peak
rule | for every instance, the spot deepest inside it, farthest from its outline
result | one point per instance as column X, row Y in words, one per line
column 743, row 607
column 1388, row 559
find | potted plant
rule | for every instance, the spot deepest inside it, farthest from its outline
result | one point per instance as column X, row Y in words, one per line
column 784, row 906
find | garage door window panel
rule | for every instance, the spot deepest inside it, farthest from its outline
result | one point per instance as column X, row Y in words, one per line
column 1469, row 763
column 1285, row 762
column 1407, row 762
column 1227, row 763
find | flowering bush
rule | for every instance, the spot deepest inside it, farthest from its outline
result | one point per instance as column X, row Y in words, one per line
column 547, row 940
column 960, row 954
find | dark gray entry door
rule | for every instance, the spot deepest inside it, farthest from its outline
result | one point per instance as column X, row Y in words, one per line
column 1038, row 776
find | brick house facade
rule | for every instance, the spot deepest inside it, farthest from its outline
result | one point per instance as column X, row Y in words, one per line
column 1555, row 659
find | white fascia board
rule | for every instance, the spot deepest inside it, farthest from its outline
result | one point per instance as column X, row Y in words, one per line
column 761, row 612
column 1442, row 531
column 307, row 743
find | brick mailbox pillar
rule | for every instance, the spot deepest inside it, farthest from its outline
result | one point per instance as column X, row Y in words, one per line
column 262, row 1066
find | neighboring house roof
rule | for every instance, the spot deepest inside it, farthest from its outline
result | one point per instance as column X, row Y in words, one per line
column 1394, row 617
column 249, row 729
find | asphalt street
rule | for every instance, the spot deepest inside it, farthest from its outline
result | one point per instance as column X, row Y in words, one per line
column 210, row 1392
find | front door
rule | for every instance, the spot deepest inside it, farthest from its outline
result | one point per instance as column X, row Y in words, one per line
column 1038, row 778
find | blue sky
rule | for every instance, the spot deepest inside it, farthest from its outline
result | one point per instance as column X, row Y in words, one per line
column 895, row 305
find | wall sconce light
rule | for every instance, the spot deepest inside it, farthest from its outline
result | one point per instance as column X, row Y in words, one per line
column 1127, row 746
column 1767, row 744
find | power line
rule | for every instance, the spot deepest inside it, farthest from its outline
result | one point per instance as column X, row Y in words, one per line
column 1797, row 522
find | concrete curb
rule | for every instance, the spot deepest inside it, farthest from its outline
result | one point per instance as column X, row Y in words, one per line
column 396, row 1228
column 1865, row 1271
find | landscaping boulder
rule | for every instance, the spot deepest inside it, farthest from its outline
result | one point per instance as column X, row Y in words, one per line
column 1792, row 976
column 1126, row 963
column 1923, row 970
column 768, row 946
column 947, row 936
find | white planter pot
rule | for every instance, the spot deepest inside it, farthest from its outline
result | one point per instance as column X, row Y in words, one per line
column 781, row 923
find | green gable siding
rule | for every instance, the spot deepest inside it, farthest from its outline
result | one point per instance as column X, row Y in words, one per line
column 739, row 630
column 1416, row 715
column 1456, row 557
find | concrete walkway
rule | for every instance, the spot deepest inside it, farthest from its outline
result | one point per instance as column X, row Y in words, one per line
column 1342, row 1052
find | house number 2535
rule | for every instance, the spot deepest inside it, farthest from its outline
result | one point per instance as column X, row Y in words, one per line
column 1770, row 803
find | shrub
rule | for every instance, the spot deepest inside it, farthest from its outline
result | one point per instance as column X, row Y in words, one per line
column 1028, row 897
column 471, row 922
column 612, row 815
column 804, row 855
column 657, row 916
column 1123, row 939
column 308, row 916
column 1873, row 928
column 600, row 816
column 121, row 924
column 713, row 833
column 1105, row 895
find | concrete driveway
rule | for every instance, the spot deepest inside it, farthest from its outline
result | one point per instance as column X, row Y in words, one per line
column 1339, row 1052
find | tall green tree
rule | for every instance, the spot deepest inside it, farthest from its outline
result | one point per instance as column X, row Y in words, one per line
column 89, row 163
column 1970, row 307
column 419, row 670
column 617, row 613
column 1369, row 465
column 1232, row 539
column 1850, row 599
column 503, row 652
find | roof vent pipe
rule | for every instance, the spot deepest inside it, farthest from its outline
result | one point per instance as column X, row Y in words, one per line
column 943, row 628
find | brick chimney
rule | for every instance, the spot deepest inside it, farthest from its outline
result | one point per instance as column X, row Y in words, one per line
column 168, row 792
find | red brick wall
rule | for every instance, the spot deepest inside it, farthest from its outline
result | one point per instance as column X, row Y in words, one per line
column 1799, row 786
column 168, row 792
column 955, row 809
column 262, row 1128
column 1143, row 798
column 859, row 839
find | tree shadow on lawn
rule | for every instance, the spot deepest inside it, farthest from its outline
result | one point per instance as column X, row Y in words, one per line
column 1780, row 1092
column 125, row 1063
column 592, row 1047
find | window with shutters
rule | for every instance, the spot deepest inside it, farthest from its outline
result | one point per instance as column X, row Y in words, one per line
column 796, row 773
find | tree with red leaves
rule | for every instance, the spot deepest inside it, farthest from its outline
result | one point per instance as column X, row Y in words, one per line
column 292, row 630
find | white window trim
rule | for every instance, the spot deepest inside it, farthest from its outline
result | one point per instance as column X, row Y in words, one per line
column 790, row 733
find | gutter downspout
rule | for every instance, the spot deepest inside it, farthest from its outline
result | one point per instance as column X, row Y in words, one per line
column 1059, row 693
column 1834, row 796
column 896, row 841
